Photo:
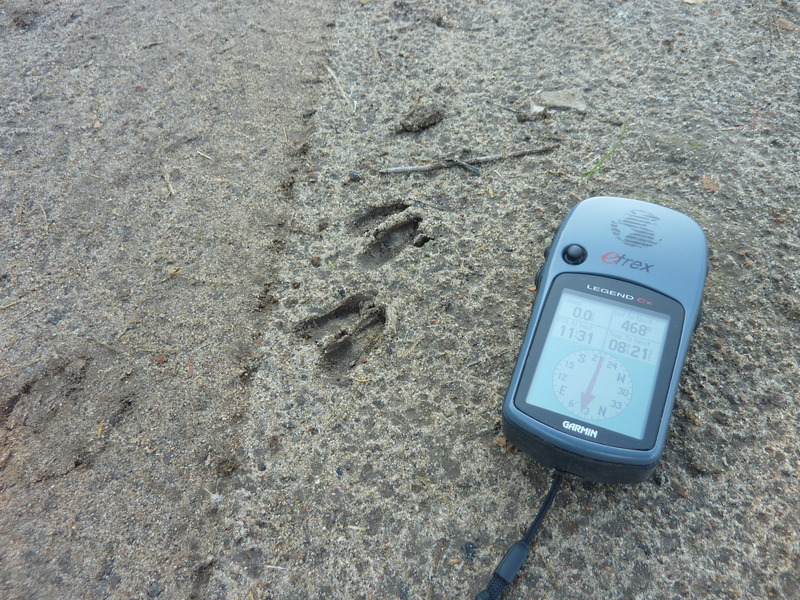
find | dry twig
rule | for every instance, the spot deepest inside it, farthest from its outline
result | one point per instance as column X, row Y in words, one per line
column 10, row 304
column 340, row 87
column 468, row 164
column 168, row 180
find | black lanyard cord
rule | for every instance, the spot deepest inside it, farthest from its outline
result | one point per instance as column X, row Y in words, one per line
column 512, row 562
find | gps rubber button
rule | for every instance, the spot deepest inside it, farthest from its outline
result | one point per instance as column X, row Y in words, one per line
column 574, row 254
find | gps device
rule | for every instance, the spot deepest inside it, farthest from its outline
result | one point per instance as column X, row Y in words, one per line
column 618, row 299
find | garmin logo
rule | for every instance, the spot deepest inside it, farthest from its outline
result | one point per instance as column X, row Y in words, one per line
column 587, row 431
column 615, row 258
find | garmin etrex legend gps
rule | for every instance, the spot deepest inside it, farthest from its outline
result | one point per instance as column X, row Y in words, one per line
column 618, row 299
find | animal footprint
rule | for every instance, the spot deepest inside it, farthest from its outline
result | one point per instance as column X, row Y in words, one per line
column 400, row 228
column 372, row 216
column 348, row 331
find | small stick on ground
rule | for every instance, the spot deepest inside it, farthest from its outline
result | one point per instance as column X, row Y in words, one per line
column 598, row 165
column 480, row 160
column 472, row 169
column 18, row 319
column 168, row 180
column 46, row 220
column 431, row 204
column 10, row 304
column 341, row 88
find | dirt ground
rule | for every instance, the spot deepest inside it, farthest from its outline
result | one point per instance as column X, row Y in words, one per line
column 237, row 361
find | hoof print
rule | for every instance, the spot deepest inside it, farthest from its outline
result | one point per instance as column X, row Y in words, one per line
column 348, row 331
column 372, row 216
column 388, row 241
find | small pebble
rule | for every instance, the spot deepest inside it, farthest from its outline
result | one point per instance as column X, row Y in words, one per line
column 470, row 550
column 421, row 117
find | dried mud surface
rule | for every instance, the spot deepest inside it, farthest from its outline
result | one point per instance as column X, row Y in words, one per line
column 237, row 361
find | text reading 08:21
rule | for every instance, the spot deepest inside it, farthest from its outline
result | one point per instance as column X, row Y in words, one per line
column 632, row 350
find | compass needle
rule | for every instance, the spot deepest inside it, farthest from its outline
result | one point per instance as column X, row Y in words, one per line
column 587, row 396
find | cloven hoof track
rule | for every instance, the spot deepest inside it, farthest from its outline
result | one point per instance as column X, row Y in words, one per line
column 347, row 331
column 372, row 216
column 389, row 241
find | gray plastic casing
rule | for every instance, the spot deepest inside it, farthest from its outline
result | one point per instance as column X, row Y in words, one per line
column 634, row 234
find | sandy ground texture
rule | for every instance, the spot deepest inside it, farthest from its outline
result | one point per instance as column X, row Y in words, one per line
column 237, row 361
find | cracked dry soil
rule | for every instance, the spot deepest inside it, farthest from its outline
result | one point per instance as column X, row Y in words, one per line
column 237, row 361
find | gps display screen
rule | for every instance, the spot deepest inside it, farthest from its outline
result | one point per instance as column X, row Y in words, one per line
column 599, row 357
